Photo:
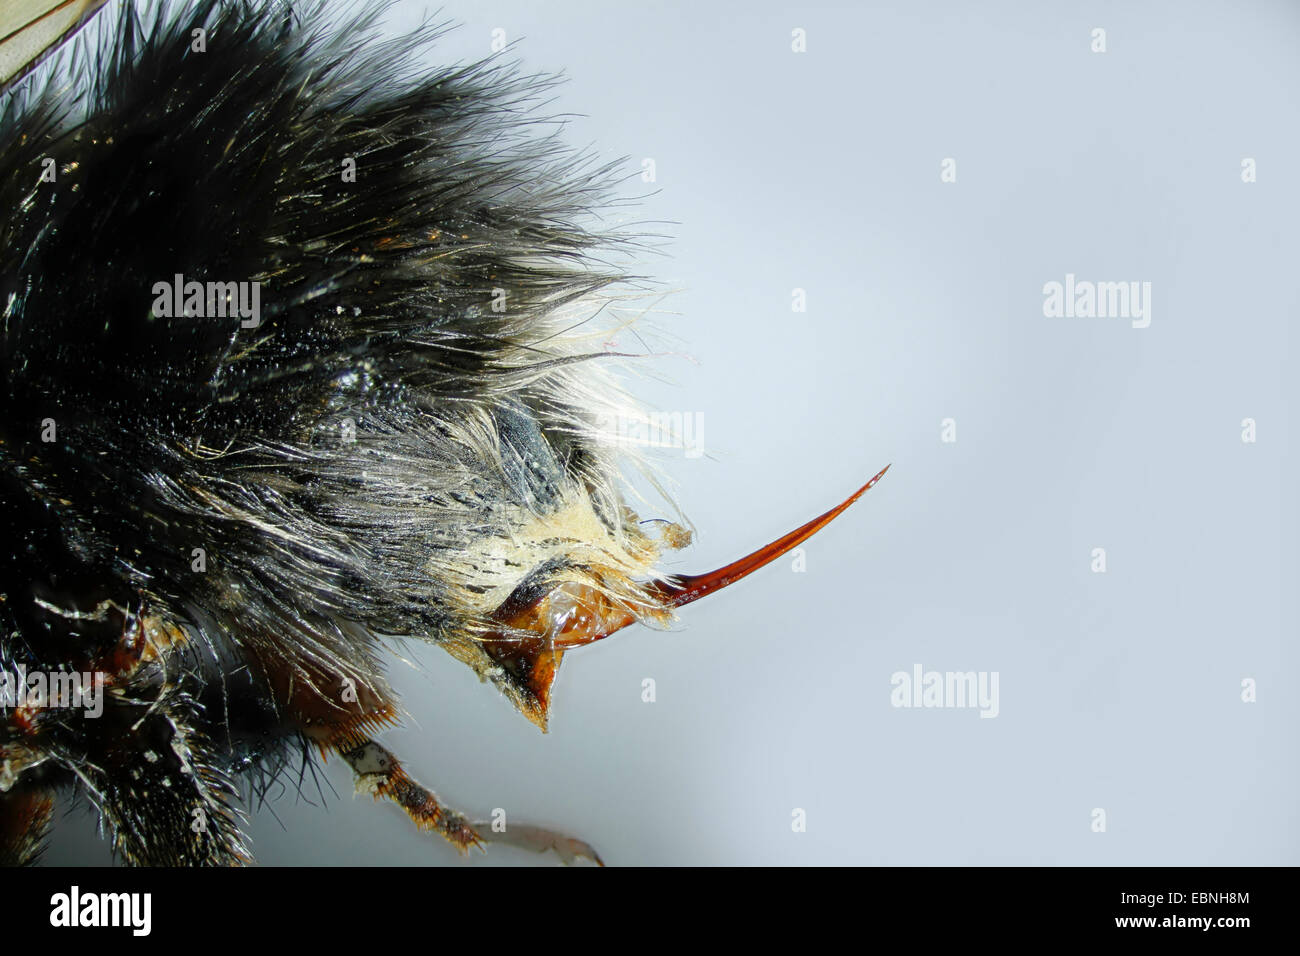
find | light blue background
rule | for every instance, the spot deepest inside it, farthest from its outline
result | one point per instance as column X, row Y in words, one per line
column 821, row 171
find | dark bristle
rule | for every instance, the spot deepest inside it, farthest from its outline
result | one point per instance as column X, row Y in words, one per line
column 271, row 493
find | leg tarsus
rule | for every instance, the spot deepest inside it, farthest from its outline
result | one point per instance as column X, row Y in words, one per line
column 539, row 840
column 379, row 773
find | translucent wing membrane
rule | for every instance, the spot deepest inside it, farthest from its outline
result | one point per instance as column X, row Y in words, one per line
column 32, row 29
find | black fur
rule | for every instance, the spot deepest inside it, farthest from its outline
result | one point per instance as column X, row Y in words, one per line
column 338, row 465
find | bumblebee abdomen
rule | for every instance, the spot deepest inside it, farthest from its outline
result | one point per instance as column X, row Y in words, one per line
column 287, row 366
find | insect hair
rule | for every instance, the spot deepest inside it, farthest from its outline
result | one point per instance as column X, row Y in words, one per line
column 409, row 433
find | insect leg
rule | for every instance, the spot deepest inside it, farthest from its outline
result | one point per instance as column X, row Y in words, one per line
column 381, row 774
column 160, row 785
column 539, row 840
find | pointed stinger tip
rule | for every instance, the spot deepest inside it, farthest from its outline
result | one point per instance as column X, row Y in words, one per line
column 683, row 589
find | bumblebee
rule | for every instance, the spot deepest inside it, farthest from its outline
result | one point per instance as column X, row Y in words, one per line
column 324, row 379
